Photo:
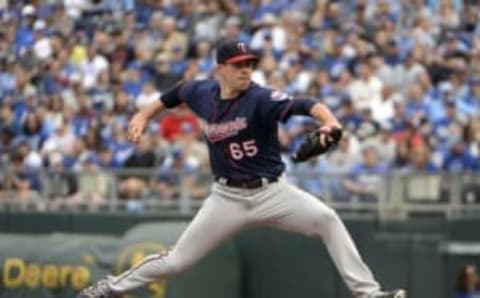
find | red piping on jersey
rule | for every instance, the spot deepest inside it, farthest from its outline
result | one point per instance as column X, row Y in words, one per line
column 285, row 110
column 146, row 261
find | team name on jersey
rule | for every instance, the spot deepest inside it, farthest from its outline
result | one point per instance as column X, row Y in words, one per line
column 219, row 131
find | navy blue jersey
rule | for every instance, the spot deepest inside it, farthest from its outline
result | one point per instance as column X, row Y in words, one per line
column 241, row 132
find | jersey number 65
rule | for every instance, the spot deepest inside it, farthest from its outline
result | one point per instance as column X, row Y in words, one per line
column 240, row 150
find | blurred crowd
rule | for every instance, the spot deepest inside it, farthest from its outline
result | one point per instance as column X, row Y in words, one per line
column 403, row 76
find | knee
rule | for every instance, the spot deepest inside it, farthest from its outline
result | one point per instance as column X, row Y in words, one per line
column 323, row 221
column 173, row 267
column 176, row 264
column 330, row 216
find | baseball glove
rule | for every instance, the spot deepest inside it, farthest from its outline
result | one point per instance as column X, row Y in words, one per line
column 317, row 142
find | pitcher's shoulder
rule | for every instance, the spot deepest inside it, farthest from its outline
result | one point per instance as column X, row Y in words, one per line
column 198, row 87
column 268, row 94
column 259, row 91
column 206, row 83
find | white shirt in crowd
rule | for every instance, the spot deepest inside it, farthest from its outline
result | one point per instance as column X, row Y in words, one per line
column 276, row 33
column 42, row 48
column 366, row 94
column 75, row 8
column 384, row 111
column 407, row 75
column 91, row 69
column 61, row 141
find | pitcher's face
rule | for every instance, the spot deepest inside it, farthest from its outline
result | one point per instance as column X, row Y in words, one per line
column 237, row 75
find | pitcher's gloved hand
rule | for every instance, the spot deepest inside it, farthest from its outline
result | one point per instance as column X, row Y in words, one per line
column 317, row 142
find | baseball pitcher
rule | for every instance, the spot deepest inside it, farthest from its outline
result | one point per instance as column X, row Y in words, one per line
column 239, row 120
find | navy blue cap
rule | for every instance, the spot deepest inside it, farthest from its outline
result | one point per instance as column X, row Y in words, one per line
column 231, row 52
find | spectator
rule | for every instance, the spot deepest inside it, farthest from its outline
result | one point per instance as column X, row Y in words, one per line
column 209, row 22
column 470, row 104
column 175, row 175
column 93, row 184
column 134, row 79
column 468, row 285
column 416, row 107
column 63, row 23
column 7, row 77
column 53, row 117
column 60, row 184
column 365, row 180
column 32, row 160
column 232, row 30
column 384, row 144
column 172, row 38
column 33, row 130
column 421, row 180
column 349, row 117
column 419, row 161
column 143, row 156
column 458, row 158
column 366, row 91
column 178, row 63
column 24, row 181
column 340, row 162
column 9, row 122
column 385, row 109
column 106, row 160
column 24, row 35
column 408, row 72
column 132, row 184
column 171, row 123
column 75, row 8
column 143, row 41
column 381, row 69
column 448, row 17
column 368, row 127
column 62, row 139
column 206, row 62
column 405, row 140
column 163, row 77
column 119, row 145
column 42, row 47
column 92, row 66
column 269, row 31
column 306, row 178
column 447, row 127
column 346, row 156
column 192, row 146
column 24, row 196
column 473, row 140
column 147, row 96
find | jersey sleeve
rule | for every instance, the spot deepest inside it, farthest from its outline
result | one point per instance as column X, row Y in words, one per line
column 177, row 94
column 279, row 106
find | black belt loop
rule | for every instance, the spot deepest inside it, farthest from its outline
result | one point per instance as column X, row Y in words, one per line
column 247, row 184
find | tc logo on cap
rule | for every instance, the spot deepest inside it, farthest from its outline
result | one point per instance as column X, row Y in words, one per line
column 234, row 52
column 242, row 47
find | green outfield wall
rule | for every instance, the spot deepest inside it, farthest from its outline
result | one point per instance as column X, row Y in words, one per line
column 55, row 255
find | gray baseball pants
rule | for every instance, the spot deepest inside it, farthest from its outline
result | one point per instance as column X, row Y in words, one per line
column 228, row 210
